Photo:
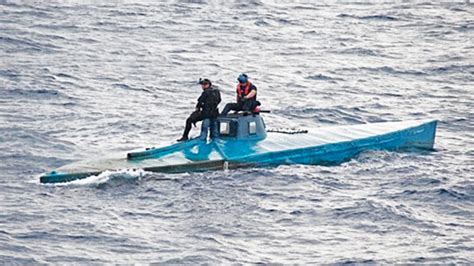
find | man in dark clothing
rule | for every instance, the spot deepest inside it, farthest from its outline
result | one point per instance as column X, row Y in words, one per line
column 206, row 111
column 246, row 96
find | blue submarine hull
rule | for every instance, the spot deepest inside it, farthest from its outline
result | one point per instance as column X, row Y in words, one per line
column 317, row 146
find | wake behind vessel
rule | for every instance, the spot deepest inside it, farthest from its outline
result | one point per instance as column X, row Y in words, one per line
column 244, row 141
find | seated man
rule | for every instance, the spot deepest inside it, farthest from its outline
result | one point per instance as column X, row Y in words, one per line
column 206, row 111
column 246, row 96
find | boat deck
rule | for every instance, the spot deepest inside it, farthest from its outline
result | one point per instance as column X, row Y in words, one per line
column 274, row 149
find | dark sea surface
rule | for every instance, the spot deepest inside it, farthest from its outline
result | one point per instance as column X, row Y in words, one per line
column 80, row 81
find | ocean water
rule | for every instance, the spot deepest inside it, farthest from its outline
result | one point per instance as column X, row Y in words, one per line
column 82, row 80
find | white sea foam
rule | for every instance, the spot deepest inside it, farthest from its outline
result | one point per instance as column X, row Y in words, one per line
column 102, row 178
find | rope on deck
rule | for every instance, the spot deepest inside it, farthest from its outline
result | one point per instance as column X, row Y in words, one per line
column 288, row 130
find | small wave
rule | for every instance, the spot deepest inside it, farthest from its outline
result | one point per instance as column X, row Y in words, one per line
column 47, row 36
column 105, row 23
column 313, row 7
column 380, row 17
column 370, row 17
column 321, row 77
column 88, row 40
column 21, row 44
column 178, row 51
column 286, row 21
column 261, row 23
column 346, row 16
column 191, row 260
column 458, row 9
column 15, row 260
column 387, row 69
column 359, row 262
column 9, row 73
column 34, row 13
column 35, row 92
column 127, row 87
column 120, row 13
column 465, row 28
column 249, row 4
column 55, row 27
column 336, row 115
column 373, row 158
column 451, row 193
column 439, row 194
column 66, row 104
column 172, row 22
column 378, row 211
column 359, row 51
column 451, row 69
column 64, row 75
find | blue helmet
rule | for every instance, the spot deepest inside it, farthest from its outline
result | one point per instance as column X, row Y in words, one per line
column 243, row 78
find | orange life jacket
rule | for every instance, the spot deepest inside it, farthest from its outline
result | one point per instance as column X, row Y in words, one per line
column 245, row 91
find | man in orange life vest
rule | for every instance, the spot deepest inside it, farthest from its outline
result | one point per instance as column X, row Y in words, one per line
column 246, row 96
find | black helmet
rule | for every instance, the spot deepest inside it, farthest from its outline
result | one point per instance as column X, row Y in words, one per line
column 204, row 81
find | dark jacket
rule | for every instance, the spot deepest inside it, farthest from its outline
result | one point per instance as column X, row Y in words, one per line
column 208, row 102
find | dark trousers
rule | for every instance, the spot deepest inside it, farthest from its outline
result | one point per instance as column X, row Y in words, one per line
column 207, row 124
column 248, row 105
column 192, row 119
